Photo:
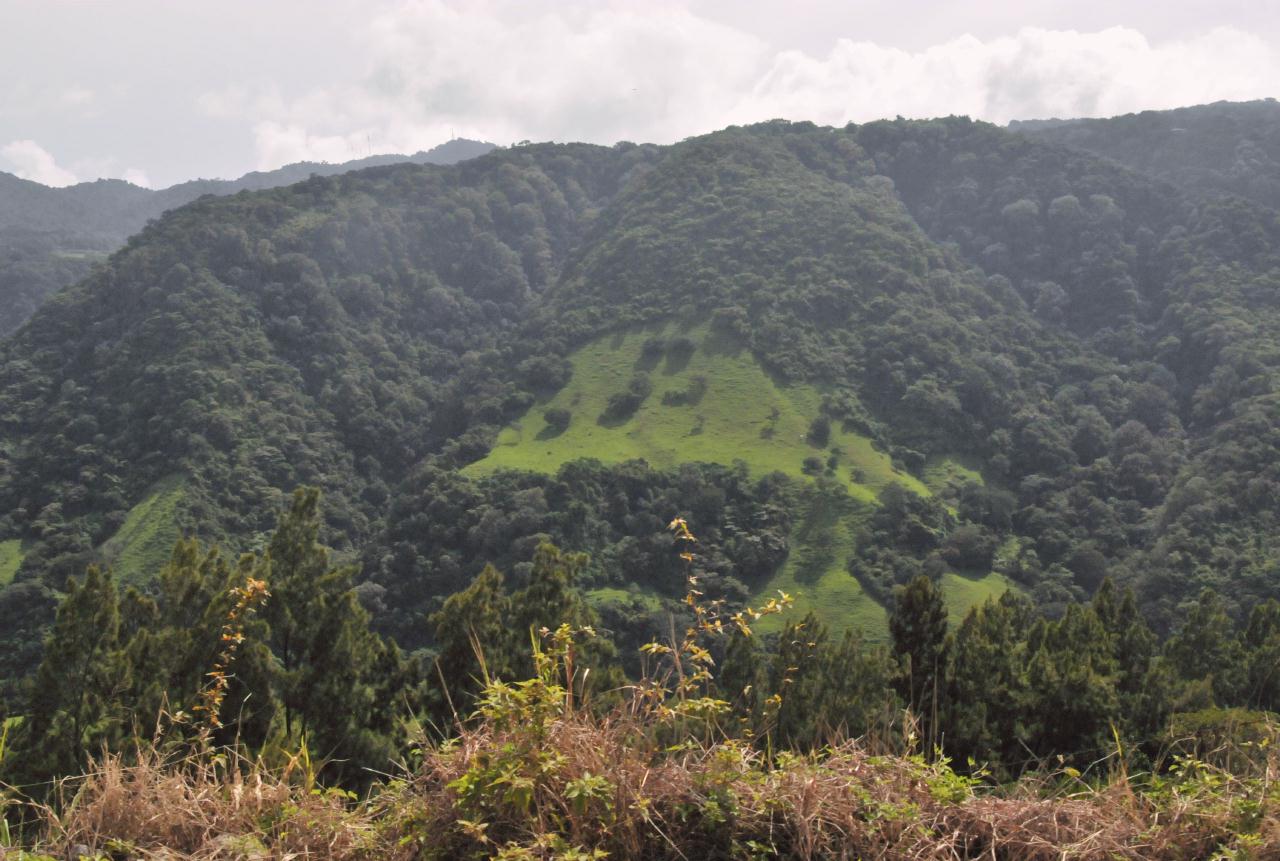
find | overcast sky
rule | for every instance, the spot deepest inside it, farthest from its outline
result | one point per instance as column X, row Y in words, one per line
column 159, row 91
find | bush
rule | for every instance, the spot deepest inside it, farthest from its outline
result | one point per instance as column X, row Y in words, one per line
column 557, row 418
column 820, row 431
column 623, row 405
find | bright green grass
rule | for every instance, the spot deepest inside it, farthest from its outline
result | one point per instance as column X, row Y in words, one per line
column 143, row 544
column 960, row 592
column 10, row 558
column 613, row 595
column 743, row 415
column 947, row 471
column 817, row 578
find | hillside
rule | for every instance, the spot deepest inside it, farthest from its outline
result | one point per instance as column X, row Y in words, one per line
column 751, row 329
column 1208, row 150
column 51, row 237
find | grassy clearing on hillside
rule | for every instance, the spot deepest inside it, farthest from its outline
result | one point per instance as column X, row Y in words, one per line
column 962, row 591
column 613, row 595
column 949, row 471
column 10, row 558
column 144, row 542
column 816, row 574
column 720, row 406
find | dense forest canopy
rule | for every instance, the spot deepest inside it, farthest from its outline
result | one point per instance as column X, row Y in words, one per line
column 1014, row 362
column 51, row 237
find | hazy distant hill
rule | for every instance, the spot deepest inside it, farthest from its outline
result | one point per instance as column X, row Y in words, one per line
column 1225, row 147
column 50, row 237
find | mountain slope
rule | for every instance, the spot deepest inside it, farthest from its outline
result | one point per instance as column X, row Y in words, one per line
column 50, row 237
column 1097, row 346
column 1208, row 150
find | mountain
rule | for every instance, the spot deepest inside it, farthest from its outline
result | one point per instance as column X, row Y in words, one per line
column 50, row 237
column 846, row 356
column 1222, row 148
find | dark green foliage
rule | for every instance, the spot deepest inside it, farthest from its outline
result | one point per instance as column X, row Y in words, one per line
column 330, row 668
column 820, row 432
column 557, row 419
column 74, row 710
column 118, row 668
column 1222, row 148
column 918, row 628
column 623, row 405
column 486, row 632
column 445, row 529
column 1100, row 345
column 51, row 237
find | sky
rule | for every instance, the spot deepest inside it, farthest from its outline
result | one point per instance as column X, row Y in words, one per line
column 161, row 91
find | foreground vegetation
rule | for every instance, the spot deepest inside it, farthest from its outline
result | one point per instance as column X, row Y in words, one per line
column 248, row 711
column 530, row 777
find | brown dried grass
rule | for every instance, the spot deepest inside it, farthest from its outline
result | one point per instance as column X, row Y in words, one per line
column 722, row 800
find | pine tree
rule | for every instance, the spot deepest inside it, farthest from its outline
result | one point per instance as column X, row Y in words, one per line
column 326, row 655
column 1071, row 703
column 1142, row 684
column 1261, row 644
column 474, row 625
column 74, row 709
column 797, row 676
column 918, row 630
column 1205, row 650
column 857, row 694
column 551, row 599
column 989, row 681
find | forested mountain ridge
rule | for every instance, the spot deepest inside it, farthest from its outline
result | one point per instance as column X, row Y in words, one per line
column 1097, row 346
column 1208, row 150
column 50, row 237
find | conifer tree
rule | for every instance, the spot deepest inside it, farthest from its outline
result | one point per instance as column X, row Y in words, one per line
column 797, row 675
column 1205, row 649
column 1261, row 643
column 1072, row 703
column 74, row 709
column 474, row 625
column 989, row 683
column 918, row 630
column 326, row 655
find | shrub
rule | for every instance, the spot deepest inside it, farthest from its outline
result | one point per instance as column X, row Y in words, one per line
column 623, row 405
column 820, row 431
column 557, row 418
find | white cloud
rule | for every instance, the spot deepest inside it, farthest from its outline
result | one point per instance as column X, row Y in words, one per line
column 510, row 71
column 137, row 177
column 76, row 96
column 1035, row 73
column 28, row 160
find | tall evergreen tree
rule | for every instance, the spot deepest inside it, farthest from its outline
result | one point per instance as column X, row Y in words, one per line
column 989, row 681
column 74, row 710
column 475, row 636
column 1206, row 650
column 918, row 631
column 326, row 653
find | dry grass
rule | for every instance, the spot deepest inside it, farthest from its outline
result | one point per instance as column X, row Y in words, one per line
column 205, row 807
column 575, row 784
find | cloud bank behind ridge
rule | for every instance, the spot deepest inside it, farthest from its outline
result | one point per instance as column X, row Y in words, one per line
column 345, row 79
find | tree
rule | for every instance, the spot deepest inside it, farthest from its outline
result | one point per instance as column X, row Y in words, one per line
column 326, row 655
column 475, row 638
column 1204, row 649
column 918, row 631
column 74, row 710
column 989, row 682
